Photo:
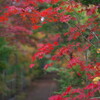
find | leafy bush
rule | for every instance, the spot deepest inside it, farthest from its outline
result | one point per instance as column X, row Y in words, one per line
column 87, row 2
column 5, row 51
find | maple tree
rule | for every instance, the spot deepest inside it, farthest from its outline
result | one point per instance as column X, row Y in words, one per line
column 82, row 34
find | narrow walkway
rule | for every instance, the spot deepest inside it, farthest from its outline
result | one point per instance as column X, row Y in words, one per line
column 43, row 88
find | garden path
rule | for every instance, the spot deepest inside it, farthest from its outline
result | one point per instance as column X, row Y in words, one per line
column 43, row 88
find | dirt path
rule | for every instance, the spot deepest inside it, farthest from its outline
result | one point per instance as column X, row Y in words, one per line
column 43, row 88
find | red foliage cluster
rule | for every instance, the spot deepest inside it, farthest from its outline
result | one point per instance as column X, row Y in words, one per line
column 79, row 93
column 44, row 50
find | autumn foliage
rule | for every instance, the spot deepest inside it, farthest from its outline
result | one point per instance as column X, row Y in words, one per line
column 81, row 35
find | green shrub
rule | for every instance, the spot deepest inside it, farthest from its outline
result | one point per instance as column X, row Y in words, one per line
column 69, row 77
column 87, row 2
